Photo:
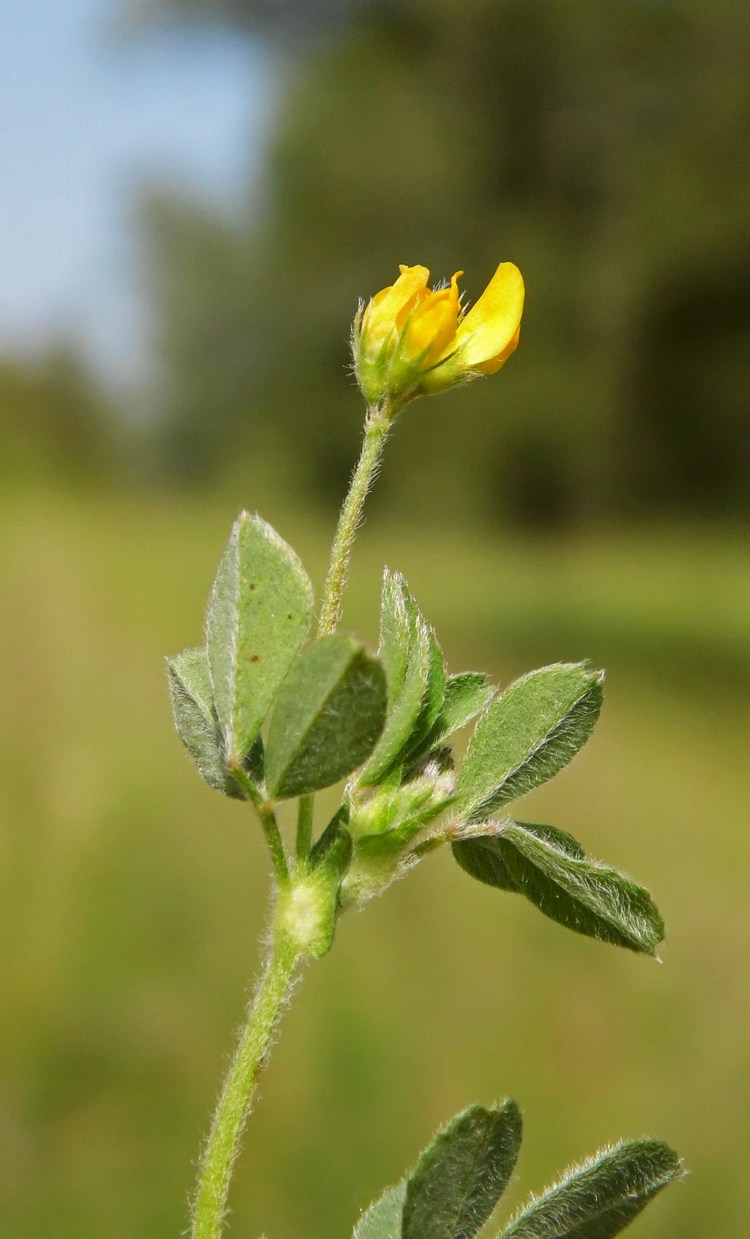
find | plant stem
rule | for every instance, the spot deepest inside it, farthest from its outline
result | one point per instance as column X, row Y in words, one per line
column 276, row 980
column 268, row 1001
column 268, row 821
column 376, row 429
column 275, row 845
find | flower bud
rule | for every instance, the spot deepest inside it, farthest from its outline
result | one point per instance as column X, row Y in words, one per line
column 410, row 340
column 384, row 827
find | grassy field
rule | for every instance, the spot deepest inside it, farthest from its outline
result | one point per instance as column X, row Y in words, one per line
column 132, row 896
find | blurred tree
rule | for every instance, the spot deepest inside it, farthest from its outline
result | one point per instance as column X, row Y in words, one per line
column 204, row 278
column 281, row 19
column 691, row 382
column 600, row 147
column 55, row 421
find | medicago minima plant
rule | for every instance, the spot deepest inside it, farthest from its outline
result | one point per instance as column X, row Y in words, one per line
column 276, row 706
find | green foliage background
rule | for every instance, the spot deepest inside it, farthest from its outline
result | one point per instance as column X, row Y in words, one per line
column 600, row 148
column 133, row 897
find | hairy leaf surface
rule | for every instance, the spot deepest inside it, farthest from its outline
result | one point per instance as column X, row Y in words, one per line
column 600, row 1197
column 407, row 652
column 461, row 1176
column 327, row 719
column 258, row 616
column 383, row 1219
column 527, row 734
column 550, row 868
column 195, row 719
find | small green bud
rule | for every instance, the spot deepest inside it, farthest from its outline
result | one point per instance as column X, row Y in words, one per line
column 389, row 809
column 383, row 828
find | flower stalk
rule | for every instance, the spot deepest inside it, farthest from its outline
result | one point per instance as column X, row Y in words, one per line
column 378, row 423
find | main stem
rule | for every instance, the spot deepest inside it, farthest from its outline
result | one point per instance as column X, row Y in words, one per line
column 376, row 429
column 277, row 978
column 268, row 1001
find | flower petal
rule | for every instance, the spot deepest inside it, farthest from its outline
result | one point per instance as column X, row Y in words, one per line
column 409, row 284
column 385, row 308
column 432, row 322
column 489, row 332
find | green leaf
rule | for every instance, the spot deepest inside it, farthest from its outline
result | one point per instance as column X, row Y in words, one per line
column 383, row 1219
column 527, row 734
column 431, row 702
column 330, row 840
column 600, row 1197
column 466, row 695
column 407, row 653
column 551, row 869
column 254, row 761
column 195, row 720
column 258, row 615
column 332, row 853
column 461, row 1176
column 394, row 631
column 327, row 718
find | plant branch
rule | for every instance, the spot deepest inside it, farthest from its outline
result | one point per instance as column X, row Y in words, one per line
column 265, row 812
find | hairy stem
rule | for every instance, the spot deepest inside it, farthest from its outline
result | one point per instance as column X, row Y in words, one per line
column 223, row 1143
column 265, row 812
column 376, row 430
column 275, row 845
column 277, row 979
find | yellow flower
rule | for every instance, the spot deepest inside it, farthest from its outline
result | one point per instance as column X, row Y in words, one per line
column 410, row 340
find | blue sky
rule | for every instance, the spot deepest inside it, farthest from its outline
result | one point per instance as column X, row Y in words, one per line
column 87, row 114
